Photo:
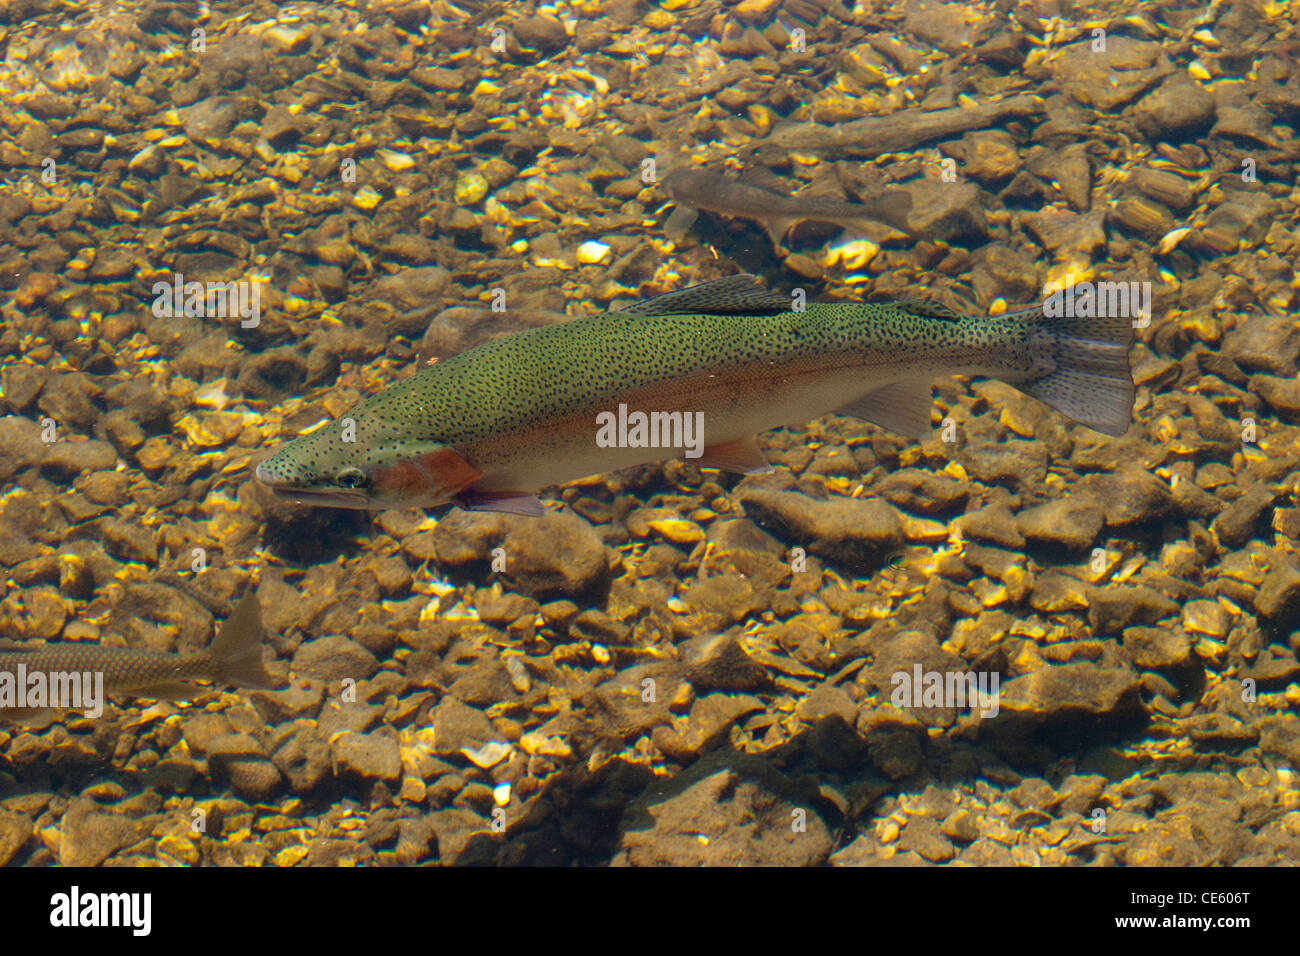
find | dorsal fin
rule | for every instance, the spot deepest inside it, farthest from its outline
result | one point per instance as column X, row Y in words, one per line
column 730, row 295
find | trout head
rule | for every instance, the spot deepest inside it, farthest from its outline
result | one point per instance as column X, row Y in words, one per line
column 354, row 463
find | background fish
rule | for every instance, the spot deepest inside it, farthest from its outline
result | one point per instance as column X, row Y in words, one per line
column 696, row 189
column 491, row 426
column 233, row 658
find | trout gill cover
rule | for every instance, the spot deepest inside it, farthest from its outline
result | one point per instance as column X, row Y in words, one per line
column 492, row 426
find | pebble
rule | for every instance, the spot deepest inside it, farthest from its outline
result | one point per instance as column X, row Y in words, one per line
column 994, row 524
column 648, row 576
column 1131, row 498
column 711, row 716
column 334, row 658
column 87, row 835
column 677, row 530
column 720, row 662
column 740, row 799
column 69, row 458
column 1262, row 344
column 1015, row 464
column 470, row 188
column 1244, row 518
column 546, row 35
column 945, row 212
column 894, row 738
column 1278, row 598
column 1157, row 648
column 1281, row 394
column 1074, row 176
column 1065, row 522
column 15, row 831
column 960, row 825
column 1114, row 77
column 1113, row 608
column 1070, row 235
column 255, row 779
column 856, row 532
column 304, row 760
column 922, row 491
column 1078, row 698
column 598, row 627
column 558, row 555
column 457, row 727
column 1242, row 218
column 1175, row 110
column 370, row 756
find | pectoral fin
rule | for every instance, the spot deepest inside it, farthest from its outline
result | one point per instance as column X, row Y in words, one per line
column 506, row 502
column 680, row 222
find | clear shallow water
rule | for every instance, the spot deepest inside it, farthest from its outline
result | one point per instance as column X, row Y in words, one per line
column 670, row 649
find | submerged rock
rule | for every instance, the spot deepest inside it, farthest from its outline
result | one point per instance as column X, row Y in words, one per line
column 1065, row 522
column 557, row 555
column 855, row 532
column 740, row 803
column 1068, row 704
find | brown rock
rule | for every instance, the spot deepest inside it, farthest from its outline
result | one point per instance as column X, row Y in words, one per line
column 1157, row 648
column 1264, row 343
column 1176, row 109
column 750, row 813
column 372, row 756
column 1065, row 522
column 88, row 835
column 15, row 830
column 855, row 532
column 1115, row 608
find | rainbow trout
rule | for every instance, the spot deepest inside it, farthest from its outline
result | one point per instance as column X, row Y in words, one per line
column 699, row 372
column 696, row 189
column 77, row 675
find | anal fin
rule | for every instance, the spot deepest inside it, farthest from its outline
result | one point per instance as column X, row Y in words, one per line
column 171, row 690
column 900, row 407
column 740, row 456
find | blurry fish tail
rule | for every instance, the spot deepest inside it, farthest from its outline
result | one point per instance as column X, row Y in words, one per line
column 236, row 651
column 1082, row 368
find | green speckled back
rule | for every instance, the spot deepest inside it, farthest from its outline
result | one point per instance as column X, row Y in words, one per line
column 542, row 372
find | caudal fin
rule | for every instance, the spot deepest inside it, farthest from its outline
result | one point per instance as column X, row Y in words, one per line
column 237, row 649
column 1089, row 379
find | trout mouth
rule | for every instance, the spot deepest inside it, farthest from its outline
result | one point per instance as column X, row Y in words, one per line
column 340, row 498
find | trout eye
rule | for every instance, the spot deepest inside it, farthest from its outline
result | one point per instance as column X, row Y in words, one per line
column 350, row 478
